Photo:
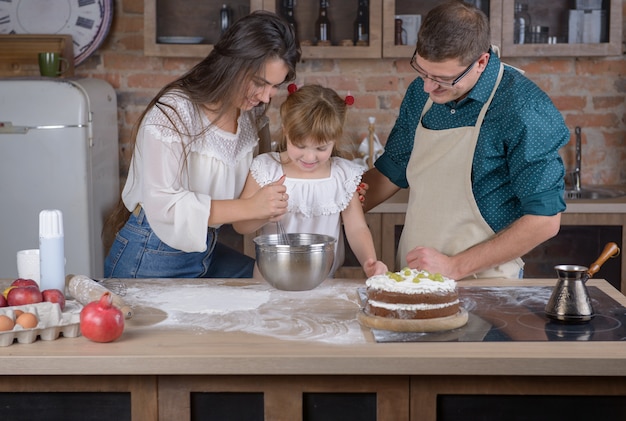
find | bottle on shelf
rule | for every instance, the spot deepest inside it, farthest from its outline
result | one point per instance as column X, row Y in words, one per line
column 362, row 24
column 521, row 26
column 226, row 18
column 322, row 25
column 288, row 12
column 398, row 40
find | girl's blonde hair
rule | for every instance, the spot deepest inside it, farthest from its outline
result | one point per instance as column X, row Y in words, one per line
column 315, row 113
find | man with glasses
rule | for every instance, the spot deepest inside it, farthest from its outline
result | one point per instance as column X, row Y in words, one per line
column 477, row 143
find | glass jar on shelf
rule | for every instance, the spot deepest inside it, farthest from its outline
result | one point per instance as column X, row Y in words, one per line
column 539, row 34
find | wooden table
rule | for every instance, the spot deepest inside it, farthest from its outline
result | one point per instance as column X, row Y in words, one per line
column 191, row 338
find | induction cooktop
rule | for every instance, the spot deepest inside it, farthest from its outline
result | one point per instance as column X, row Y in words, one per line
column 500, row 314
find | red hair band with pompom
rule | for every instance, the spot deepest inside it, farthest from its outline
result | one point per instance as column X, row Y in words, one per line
column 349, row 99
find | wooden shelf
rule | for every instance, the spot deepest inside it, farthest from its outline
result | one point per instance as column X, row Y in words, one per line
column 197, row 21
column 552, row 14
column 391, row 8
column 18, row 53
column 305, row 9
column 194, row 20
column 340, row 13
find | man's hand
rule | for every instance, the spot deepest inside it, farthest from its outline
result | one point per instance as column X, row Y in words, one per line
column 429, row 259
column 361, row 189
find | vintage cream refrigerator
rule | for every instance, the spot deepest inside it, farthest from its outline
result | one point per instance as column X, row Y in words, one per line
column 58, row 150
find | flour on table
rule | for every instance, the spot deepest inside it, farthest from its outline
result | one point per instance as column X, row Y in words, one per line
column 255, row 309
column 202, row 299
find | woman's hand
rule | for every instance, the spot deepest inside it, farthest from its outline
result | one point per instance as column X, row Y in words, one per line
column 271, row 200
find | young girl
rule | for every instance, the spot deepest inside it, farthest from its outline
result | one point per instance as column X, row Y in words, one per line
column 321, row 186
column 192, row 154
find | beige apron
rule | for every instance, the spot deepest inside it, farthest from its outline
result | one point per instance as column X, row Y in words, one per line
column 442, row 212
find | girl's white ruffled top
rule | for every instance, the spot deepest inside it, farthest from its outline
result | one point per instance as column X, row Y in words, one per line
column 315, row 205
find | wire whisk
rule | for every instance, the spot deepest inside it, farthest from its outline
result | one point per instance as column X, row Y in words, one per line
column 283, row 238
column 114, row 285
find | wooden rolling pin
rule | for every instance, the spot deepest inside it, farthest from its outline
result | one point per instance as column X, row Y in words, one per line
column 86, row 290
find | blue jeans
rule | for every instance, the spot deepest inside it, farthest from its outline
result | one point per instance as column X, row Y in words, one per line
column 137, row 252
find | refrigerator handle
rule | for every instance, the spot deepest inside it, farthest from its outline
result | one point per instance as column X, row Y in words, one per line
column 90, row 129
column 6, row 127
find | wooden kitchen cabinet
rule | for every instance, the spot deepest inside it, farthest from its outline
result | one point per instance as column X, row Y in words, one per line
column 555, row 16
column 77, row 398
column 552, row 14
column 341, row 15
column 187, row 29
column 195, row 26
column 173, row 19
column 386, row 398
column 346, row 398
column 393, row 8
column 312, row 398
column 451, row 398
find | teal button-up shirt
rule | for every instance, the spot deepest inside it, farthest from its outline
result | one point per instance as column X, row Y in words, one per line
column 517, row 169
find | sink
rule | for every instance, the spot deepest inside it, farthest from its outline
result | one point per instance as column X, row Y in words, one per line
column 597, row 193
column 577, row 192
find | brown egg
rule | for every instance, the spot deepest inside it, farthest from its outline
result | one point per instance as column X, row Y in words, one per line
column 27, row 320
column 17, row 313
column 6, row 323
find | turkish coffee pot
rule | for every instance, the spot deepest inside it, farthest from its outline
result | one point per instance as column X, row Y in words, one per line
column 570, row 300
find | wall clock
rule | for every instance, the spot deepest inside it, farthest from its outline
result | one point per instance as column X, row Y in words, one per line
column 88, row 21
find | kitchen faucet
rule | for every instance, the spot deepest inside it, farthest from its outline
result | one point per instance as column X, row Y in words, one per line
column 575, row 178
column 576, row 184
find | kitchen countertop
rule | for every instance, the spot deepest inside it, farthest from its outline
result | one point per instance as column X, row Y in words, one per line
column 398, row 202
column 218, row 326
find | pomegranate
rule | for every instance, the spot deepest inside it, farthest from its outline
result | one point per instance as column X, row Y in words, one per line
column 100, row 321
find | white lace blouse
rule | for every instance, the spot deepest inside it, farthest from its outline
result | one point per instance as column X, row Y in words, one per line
column 315, row 205
column 177, row 198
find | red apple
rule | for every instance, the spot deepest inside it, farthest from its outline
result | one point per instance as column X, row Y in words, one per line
column 19, row 296
column 54, row 296
column 3, row 301
column 21, row 282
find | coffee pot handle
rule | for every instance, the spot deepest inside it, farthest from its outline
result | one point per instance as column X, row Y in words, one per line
column 610, row 250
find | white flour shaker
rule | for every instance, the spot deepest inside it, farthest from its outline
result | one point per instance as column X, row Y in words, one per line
column 51, row 250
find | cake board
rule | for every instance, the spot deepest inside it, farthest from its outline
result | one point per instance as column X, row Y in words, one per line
column 414, row 325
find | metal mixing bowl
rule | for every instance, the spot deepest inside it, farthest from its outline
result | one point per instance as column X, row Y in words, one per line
column 301, row 265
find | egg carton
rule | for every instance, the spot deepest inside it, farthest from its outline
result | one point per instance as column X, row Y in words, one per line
column 52, row 323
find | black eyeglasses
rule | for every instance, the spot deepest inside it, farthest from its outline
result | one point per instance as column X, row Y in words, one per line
column 443, row 83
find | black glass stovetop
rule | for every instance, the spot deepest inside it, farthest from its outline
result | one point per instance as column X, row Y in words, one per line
column 498, row 314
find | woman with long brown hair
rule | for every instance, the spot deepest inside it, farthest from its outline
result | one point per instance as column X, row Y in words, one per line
column 193, row 149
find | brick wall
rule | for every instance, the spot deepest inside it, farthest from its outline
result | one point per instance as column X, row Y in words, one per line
column 590, row 92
